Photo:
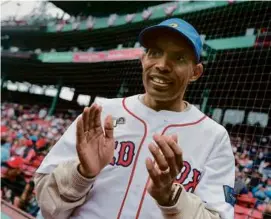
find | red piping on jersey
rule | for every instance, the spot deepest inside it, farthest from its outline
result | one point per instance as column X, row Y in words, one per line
column 163, row 132
column 136, row 158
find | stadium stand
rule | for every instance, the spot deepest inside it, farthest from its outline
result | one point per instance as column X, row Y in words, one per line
column 95, row 54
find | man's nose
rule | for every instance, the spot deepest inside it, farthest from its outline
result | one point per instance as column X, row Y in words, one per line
column 163, row 65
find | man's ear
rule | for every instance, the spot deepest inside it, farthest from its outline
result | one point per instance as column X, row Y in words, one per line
column 142, row 58
column 197, row 72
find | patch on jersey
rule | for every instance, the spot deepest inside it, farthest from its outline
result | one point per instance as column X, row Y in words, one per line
column 118, row 121
column 229, row 195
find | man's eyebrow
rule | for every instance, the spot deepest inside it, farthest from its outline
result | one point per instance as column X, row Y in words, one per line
column 181, row 51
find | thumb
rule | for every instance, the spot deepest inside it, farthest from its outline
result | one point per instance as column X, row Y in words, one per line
column 79, row 131
column 108, row 127
column 175, row 138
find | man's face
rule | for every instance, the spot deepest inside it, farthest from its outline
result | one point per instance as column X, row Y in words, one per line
column 168, row 66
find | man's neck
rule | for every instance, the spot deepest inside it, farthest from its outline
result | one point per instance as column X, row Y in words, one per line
column 176, row 105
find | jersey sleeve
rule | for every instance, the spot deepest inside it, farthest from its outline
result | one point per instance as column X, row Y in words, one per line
column 217, row 182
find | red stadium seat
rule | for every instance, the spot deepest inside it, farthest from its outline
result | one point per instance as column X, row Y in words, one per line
column 246, row 201
column 255, row 214
column 240, row 216
column 243, row 212
column 239, row 209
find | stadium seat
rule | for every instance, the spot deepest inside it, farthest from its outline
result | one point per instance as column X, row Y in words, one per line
column 246, row 200
column 244, row 212
column 240, row 216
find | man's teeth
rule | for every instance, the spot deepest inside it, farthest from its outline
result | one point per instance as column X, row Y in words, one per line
column 159, row 80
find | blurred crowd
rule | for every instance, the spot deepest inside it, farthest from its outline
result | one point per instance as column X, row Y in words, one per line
column 28, row 133
column 253, row 167
column 253, row 175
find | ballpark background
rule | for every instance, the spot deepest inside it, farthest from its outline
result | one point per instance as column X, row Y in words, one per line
column 54, row 65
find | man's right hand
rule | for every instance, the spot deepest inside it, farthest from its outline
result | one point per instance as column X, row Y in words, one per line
column 95, row 146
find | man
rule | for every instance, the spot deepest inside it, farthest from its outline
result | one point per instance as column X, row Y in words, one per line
column 162, row 158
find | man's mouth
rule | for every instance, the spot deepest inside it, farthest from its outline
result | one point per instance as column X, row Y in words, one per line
column 160, row 82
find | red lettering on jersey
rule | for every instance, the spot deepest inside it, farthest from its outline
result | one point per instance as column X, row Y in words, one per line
column 195, row 180
column 113, row 162
column 184, row 174
column 126, row 153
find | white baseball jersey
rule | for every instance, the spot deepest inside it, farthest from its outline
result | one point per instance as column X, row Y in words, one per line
column 120, row 189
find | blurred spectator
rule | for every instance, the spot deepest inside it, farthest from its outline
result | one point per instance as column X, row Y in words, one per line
column 263, row 191
column 245, row 161
column 6, row 142
column 240, row 186
column 42, row 113
column 12, row 179
column 265, row 168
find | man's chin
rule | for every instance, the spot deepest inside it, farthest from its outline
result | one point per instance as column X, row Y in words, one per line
column 160, row 96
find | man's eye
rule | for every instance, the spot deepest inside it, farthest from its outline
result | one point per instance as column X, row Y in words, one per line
column 181, row 58
column 155, row 53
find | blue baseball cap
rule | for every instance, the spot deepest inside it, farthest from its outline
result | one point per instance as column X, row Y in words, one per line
column 183, row 28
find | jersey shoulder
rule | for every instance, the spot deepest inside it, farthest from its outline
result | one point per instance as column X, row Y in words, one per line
column 102, row 101
column 112, row 104
column 210, row 125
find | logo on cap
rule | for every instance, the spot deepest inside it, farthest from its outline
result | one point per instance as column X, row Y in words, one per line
column 173, row 25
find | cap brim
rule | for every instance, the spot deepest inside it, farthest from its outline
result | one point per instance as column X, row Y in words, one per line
column 147, row 35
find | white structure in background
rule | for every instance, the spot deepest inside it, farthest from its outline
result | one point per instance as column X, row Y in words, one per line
column 50, row 91
column 14, row 49
column 67, row 93
column 23, row 87
column 83, row 100
column 217, row 115
column 261, row 118
column 36, row 9
column 233, row 117
column 11, row 86
column 36, row 89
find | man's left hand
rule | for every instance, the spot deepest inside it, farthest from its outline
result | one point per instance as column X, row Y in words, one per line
column 168, row 162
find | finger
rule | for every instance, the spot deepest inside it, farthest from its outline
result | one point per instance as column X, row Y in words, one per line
column 108, row 127
column 158, row 157
column 177, row 151
column 167, row 152
column 79, row 131
column 97, row 117
column 85, row 118
column 153, row 172
column 91, row 116
column 175, row 138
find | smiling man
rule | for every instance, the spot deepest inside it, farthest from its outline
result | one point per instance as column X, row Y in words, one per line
column 163, row 158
